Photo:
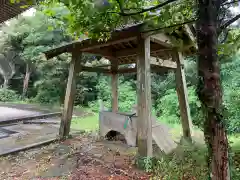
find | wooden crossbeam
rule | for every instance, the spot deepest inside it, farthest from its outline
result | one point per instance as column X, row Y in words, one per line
column 102, row 52
column 155, row 61
column 163, row 63
column 88, row 44
column 128, row 36
column 156, row 65
column 133, row 51
column 154, row 68
column 162, row 39
column 95, row 69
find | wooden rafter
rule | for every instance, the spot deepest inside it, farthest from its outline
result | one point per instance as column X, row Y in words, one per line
column 155, row 67
column 122, row 43
column 95, row 69
column 162, row 39
column 86, row 45
column 10, row 10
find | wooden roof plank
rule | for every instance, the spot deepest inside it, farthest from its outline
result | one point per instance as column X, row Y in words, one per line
column 162, row 39
column 117, row 37
column 10, row 10
column 88, row 44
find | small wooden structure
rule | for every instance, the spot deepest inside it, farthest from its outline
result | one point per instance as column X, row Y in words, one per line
column 10, row 10
column 152, row 51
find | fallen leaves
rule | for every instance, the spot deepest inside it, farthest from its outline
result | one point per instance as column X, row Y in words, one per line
column 93, row 162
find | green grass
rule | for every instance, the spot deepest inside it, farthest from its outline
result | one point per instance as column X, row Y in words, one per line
column 89, row 123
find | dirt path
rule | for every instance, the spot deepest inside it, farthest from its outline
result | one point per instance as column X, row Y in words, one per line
column 11, row 113
column 79, row 158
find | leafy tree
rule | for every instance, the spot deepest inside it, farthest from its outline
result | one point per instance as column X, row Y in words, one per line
column 99, row 18
column 30, row 39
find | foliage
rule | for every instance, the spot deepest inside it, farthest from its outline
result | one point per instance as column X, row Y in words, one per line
column 126, row 94
column 168, row 107
column 8, row 95
column 230, row 77
column 186, row 162
column 231, row 45
column 98, row 18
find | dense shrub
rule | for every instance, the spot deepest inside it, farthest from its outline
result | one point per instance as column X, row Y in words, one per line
column 49, row 91
column 232, row 107
column 168, row 107
column 7, row 95
column 126, row 94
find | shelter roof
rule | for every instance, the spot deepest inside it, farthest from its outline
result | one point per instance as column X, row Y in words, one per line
column 123, row 44
column 10, row 10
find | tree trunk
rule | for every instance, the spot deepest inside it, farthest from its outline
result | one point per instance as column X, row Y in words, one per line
column 210, row 91
column 5, row 84
column 26, row 81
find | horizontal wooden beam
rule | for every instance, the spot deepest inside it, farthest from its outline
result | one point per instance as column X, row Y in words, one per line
column 89, row 44
column 154, row 68
column 127, row 70
column 107, row 53
column 163, row 63
column 156, row 64
column 155, row 61
column 102, row 52
column 95, row 69
column 122, row 37
column 133, row 52
column 162, row 39
column 128, row 61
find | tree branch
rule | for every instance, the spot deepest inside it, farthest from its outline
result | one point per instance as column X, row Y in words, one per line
column 231, row 2
column 225, row 37
column 228, row 23
column 172, row 26
column 122, row 13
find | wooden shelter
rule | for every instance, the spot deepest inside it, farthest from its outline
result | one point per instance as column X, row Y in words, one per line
column 10, row 10
column 151, row 51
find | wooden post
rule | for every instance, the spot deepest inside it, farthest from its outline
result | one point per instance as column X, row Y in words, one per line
column 181, row 88
column 144, row 122
column 114, row 67
column 69, row 97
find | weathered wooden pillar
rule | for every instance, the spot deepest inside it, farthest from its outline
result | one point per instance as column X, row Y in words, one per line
column 69, row 96
column 144, row 122
column 181, row 88
column 114, row 67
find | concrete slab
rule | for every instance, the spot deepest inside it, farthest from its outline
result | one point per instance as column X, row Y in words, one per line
column 120, row 122
column 14, row 137
column 12, row 113
column 27, row 136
